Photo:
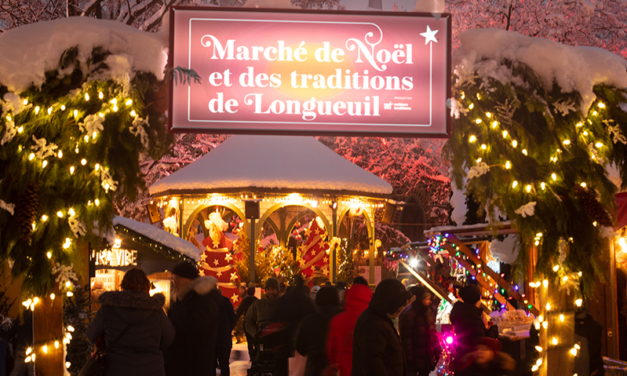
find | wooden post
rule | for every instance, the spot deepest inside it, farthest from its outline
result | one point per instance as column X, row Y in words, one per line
column 48, row 328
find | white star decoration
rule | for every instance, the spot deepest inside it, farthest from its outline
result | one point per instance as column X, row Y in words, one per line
column 201, row 272
column 325, row 271
column 233, row 276
column 216, row 262
column 228, row 257
column 235, row 298
column 203, row 257
column 302, row 262
column 219, row 273
column 429, row 35
column 326, row 259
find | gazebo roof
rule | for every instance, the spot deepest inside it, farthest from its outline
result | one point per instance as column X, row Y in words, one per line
column 287, row 163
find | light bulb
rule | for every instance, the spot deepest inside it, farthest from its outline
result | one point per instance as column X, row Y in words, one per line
column 583, row 184
column 488, row 114
column 31, row 156
column 508, row 165
column 45, row 349
column 543, row 185
column 554, row 341
column 566, row 142
column 524, row 151
column 504, row 134
column 97, row 202
column 472, row 138
column 97, row 167
column 573, row 351
column 115, row 108
column 514, row 184
column 495, row 124
column 528, row 188
column 83, row 161
column 599, row 145
column 60, row 154
column 478, row 121
column 539, row 349
column 578, row 302
column 44, row 218
column 484, row 146
column 129, row 102
column 44, row 164
column 69, row 294
column 556, row 268
column 548, row 306
column 62, row 107
column 70, row 328
column 37, row 110
column 545, row 283
column 601, row 105
column 60, row 214
column 25, row 102
column 75, row 113
column 52, row 296
column 133, row 113
column 514, row 143
column 86, row 96
column 72, row 212
column 49, row 254
column 554, row 176
column 71, row 170
column 100, row 95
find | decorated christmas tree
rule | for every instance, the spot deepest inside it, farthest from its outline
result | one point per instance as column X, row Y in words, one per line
column 217, row 260
column 314, row 263
column 283, row 263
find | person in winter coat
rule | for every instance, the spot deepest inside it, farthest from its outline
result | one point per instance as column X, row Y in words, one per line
column 226, row 323
column 488, row 360
column 418, row 334
column 261, row 311
column 466, row 317
column 194, row 314
column 311, row 337
column 139, row 350
column 589, row 335
column 377, row 349
column 291, row 309
column 241, row 311
column 342, row 326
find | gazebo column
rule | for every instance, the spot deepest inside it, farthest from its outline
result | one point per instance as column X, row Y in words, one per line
column 253, row 242
column 372, row 247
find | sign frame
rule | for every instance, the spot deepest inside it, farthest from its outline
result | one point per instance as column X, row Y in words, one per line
column 295, row 132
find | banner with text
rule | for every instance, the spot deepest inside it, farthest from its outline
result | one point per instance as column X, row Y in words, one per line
column 298, row 72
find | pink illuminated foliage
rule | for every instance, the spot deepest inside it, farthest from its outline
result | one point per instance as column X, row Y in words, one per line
column 595, row 23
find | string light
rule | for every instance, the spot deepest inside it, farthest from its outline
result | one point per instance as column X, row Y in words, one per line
column 578, row 302
column 504, row 134
column 528, row 188
column 566, row 142
column 71, row 170
column 472, row 139
column 514, row 144
column 60, row 214
column 31, row 156
column 524, row 151
column 508, row 165
column 495, row 124
column 83, row 161
column 100, row 95
column 87, row 97
column 554, row 176
column 514, row 184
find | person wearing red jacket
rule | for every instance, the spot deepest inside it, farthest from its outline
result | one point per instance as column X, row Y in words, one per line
column 340, row 338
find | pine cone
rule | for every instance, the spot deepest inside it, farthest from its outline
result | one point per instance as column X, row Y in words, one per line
column 26, row 208
column 592, row 206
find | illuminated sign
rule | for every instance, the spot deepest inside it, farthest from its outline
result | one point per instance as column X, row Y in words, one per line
column 310, row 72
column 116, row 257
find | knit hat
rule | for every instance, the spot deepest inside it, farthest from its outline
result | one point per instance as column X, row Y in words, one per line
column 389, row 296
column 470, row 294
column 493, row 344
column 250, row 291
column 327, row 296
column 272, row 283
column 186, row 270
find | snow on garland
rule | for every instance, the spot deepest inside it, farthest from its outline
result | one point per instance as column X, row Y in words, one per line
column 480, row 169
column 527, row 210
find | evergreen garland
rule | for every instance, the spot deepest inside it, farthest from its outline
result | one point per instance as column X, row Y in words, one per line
column 76, row 315
column 524, row 148
column 67, row 149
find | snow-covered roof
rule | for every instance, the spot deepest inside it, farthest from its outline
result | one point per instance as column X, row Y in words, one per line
column 572, row 68
column 29, row 51
column 180, row 245
column 274, row 162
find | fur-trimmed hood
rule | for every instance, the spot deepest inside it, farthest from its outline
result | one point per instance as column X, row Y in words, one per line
column 202, row 286
column 132, row 306
column 132, row 299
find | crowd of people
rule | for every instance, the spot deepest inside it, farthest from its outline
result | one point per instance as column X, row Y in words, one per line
column 335, row 331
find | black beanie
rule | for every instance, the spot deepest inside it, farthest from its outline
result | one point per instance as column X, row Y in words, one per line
column 327, row 297
column 186, row 270
column 420, row 292
column 470, row 294
column 389, row 296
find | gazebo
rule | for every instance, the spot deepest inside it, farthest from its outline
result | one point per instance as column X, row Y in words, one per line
column 288, row 177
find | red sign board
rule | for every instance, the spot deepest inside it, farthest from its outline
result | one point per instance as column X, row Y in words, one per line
column 311, row 72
